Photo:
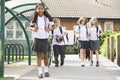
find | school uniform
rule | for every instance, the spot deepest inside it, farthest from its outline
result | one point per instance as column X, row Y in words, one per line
column 83, row 39
column 58, row 47
column 94, row 39
column 40, row 42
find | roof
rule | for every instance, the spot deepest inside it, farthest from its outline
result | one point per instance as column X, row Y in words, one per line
column 23, row 7
column 87, row 8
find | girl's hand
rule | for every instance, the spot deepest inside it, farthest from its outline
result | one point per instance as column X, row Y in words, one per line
column 89, row 34
column 77, row 35
column 34, row 29
column 98, row 35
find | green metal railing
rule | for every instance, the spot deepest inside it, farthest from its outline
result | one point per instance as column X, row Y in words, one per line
column 14, row 52
column 26, row 35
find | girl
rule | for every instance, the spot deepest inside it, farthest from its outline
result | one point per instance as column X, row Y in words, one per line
column 58, row 42
column 40, row 30
column 82, row 35
column 95, row 32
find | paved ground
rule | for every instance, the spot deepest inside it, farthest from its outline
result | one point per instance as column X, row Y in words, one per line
column 70, row 71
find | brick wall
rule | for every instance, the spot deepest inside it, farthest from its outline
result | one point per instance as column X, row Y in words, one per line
column 116, row 25
column 68, row 24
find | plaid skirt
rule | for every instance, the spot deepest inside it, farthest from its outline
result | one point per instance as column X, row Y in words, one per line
column 40, row 45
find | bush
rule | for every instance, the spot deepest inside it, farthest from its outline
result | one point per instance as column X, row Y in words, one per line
column 103, row 48
column 104, row 36
column 71, row 49
column 104, row 41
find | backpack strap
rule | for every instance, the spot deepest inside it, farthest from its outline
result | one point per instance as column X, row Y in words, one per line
column 67, row 37
column 79, row 27
column 61, row 30
column 97, row 30
column 45, row 19
column 52, row 32
column 87, row 31
column 62, row 33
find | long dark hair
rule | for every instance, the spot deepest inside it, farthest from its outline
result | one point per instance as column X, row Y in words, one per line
column 35, row 15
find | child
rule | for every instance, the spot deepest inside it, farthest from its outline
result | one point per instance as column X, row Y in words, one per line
column 95, row 32
column 58, row 42
column 82, row 36
column 40, row 29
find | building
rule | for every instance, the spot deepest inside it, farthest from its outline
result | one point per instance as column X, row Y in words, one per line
column 107, row 11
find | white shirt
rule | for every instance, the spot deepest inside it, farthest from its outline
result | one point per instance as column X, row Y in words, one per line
column 41, row 33
column 82, row 32
column 93, row 32
column 56, row 31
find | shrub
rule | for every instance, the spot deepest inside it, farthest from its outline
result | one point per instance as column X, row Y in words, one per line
column 104, row 41
column 71, row 49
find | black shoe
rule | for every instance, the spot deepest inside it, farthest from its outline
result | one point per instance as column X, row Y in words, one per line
column 41, row 76
column 83, row 65
column 56, row 65
column 97, row 64
column 47, row 74
column 62, row 63
column 91, row 64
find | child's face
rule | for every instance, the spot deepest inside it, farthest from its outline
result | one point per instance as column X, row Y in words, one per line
column 83, row 22
column 40, row 9
column 57, row 23
column 94, row 22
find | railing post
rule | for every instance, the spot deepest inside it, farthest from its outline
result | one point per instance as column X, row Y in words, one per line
column 12, row 46
column 22, row 51
column 118, row 50
column 9, row 55
column 112, row 48
column 108, row 48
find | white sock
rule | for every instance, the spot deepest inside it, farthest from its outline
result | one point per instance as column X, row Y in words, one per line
column 82, row 63
column 45, row 68
column 40, row 70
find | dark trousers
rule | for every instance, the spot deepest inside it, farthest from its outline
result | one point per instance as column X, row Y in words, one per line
column 59, row 49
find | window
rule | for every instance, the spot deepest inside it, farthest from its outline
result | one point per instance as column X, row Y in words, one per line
column 14, row 31
column 108, row 25
column 9, row 31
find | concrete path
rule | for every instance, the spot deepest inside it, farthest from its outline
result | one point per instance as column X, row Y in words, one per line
column 72, row 70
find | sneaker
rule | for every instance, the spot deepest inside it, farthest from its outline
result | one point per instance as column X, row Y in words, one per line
column 41, row 76
column 91, row 64
column 82, row 65
column 97, row 64
column 47, row 74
